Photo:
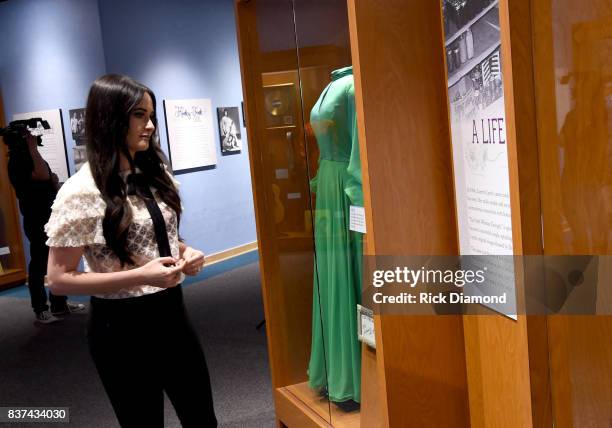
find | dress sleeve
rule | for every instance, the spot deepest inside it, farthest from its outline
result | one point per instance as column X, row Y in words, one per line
column 311, row 142
column 353, row 187
column 76, row 218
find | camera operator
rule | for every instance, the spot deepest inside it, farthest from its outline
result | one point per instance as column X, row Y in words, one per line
column 36, row 187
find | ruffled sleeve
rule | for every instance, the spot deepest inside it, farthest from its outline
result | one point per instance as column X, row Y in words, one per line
column 77, row 215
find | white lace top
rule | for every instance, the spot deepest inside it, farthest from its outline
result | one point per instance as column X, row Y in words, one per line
column 76, row 221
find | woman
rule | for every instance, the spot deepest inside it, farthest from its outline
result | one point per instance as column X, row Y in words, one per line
column 121, row 211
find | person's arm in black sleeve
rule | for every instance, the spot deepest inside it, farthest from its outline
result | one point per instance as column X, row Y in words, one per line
column 41, row 171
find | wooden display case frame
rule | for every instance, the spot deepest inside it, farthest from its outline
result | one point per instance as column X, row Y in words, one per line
column 16, row 274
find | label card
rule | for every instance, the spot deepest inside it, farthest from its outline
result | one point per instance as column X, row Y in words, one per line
column 365, row 326
column 357, row 220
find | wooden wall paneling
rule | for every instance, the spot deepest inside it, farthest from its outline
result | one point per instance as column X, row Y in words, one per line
column 588, row 166
column 372, row 393
column 374, row 409
column 15, row 271
column 523, row 154
column 292, row 412
column 405, row 150
column 247, row 32
column 573, row 68
column 544, row 72
column 501, row 352
column 498, row 371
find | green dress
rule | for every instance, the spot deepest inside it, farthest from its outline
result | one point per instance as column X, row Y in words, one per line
column 335, row 359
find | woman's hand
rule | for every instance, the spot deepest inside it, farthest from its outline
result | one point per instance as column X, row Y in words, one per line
column 163, row 272
column 194, row 261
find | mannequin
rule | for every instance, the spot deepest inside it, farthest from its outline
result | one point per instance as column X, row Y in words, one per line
column 335, row 360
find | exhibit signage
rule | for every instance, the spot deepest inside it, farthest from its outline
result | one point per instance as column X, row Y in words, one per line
column 53, row 149
column 478, row 132
column 191, row 139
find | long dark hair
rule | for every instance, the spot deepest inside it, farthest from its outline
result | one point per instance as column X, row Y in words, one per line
column 110, row 102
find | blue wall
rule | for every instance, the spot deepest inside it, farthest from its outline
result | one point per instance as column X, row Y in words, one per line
column 188, row 49
column 53, row 50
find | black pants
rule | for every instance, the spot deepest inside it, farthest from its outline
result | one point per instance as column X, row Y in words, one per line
column 143, row 346
column 37, row 269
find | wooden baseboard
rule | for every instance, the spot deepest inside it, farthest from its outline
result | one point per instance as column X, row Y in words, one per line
column 294, row 413
column 211, row 259
column 11, row 278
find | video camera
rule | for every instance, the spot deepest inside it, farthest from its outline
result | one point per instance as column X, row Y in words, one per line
column 16, row 132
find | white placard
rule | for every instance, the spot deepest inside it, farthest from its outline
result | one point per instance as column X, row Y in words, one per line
column 365, row 326
column 190, row 133
column 357, row 219
column 294, row 195
column 53, row 148
column 4, row 251
column 480, row 154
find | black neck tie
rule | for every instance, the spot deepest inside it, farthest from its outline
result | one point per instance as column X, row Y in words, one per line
column 137, row 184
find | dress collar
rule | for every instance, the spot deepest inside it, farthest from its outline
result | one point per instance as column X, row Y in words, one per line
column 341, row 72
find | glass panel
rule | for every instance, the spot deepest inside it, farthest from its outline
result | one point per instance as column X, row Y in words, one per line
column 573, row 57
column 332, row 150
column 283, row 158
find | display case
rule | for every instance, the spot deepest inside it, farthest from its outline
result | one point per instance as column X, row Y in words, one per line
column 571, row 116
column 12, row 262
column 301, row 70
column 450, row 370
column 299, row 162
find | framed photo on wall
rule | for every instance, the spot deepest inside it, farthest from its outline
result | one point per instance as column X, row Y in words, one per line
column 229, row 130
column 77, row 129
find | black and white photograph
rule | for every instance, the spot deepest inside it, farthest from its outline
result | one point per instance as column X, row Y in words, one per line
column 461, row 14
column 229, row 130
column 471, row 34
column 472, row 43
column 478, row 89
column 77, row 125
column 77, row 128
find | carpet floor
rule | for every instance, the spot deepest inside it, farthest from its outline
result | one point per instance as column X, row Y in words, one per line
column 50, row 366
